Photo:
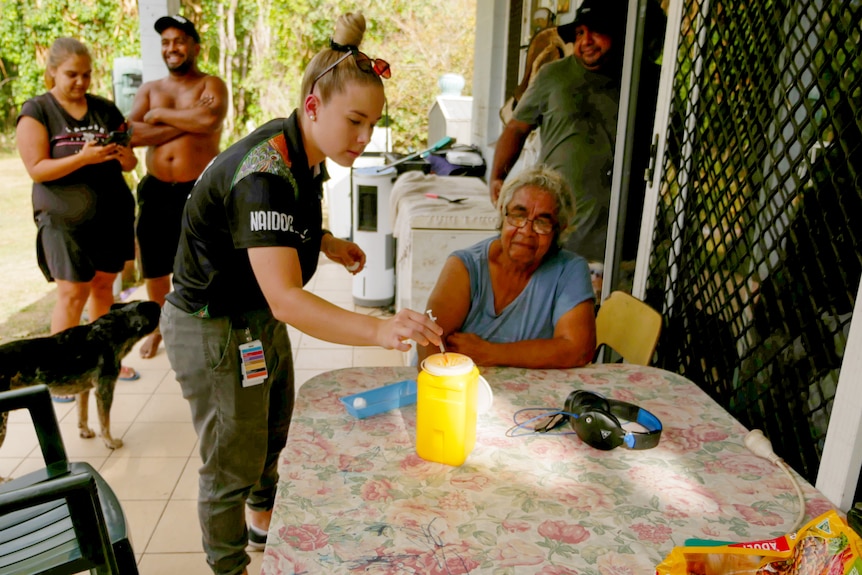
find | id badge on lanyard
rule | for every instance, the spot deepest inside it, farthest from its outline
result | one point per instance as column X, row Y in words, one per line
column 252, row 361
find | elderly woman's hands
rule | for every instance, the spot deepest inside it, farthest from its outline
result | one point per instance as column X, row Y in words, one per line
column 470, row 345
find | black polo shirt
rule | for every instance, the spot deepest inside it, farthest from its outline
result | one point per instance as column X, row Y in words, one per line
column 259, row 192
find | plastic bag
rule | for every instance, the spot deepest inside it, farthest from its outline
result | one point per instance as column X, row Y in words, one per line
column 824, row 546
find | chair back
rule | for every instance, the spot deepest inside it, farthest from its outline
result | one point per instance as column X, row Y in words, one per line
column 628, row 326
column 55, row 527
column 62, row 519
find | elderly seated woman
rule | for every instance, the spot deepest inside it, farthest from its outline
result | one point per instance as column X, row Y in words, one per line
column 519, row 299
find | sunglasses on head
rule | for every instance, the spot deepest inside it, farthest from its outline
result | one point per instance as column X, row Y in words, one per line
column 363, row 62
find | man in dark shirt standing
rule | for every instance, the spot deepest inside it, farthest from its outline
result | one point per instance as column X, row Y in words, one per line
column 575, row 100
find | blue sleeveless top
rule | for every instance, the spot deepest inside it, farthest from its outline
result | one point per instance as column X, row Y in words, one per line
column 558, row 285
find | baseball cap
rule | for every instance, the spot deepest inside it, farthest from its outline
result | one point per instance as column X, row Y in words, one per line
column 603, row 16
column 179, row 23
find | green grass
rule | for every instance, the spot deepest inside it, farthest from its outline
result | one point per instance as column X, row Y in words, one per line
column 27, row 298
column 24, row 283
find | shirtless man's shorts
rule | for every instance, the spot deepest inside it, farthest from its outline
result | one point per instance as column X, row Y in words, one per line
column 160, row 209
column 179, row 118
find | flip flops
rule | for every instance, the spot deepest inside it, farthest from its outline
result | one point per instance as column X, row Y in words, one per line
column 130, row 374
column 256, row 538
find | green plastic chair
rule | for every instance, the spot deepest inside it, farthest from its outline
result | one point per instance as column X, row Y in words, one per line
column 64, row 518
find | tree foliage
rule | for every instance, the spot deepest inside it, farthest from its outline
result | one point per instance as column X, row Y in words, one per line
column 259, row 47
column 109, row 28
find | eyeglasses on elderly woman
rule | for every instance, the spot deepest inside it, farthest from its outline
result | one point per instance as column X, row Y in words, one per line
column 542, row 225
column 363, row 62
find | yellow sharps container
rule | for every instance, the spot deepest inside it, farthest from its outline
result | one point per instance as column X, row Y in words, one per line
column 446, row 408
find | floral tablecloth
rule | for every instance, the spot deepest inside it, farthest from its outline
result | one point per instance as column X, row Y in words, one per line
column 355, row 498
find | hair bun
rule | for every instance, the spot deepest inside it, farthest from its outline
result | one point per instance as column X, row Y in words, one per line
column 349, row 29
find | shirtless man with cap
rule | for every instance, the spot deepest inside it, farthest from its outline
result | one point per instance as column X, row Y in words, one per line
column 179, row 118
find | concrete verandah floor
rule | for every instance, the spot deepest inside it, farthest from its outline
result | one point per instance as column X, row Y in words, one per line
column 155, row 472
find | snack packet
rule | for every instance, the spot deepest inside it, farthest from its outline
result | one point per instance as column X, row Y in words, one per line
column 825, row 545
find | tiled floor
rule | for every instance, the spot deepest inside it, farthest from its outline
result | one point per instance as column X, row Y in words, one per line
column 154, row 473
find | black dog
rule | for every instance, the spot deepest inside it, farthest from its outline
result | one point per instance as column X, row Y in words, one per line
column 80, row 358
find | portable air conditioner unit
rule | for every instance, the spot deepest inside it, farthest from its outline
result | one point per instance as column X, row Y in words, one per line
column 374, row 286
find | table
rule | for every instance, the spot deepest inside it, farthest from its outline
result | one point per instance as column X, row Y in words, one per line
column 355, row 498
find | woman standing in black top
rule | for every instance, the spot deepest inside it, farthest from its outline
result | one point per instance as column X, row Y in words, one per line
column 82, row 206
column 251, row 238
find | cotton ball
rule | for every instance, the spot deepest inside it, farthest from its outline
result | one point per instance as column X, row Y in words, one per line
column 359, row 403
column 352, row 267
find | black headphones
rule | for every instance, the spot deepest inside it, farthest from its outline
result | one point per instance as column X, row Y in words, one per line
column 596, row 420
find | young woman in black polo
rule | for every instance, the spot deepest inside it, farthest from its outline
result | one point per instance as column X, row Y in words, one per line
column 251, row 236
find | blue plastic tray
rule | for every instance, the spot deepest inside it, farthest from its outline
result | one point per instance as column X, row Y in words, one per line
column 382, row 399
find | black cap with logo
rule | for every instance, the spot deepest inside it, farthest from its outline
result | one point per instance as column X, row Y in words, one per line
column 602, row 16
column 179, row 23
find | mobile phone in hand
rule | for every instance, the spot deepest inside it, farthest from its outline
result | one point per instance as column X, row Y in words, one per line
column 117, row 137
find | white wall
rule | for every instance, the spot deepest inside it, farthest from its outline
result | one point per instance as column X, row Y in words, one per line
column 842, row 452
column 489, row 73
